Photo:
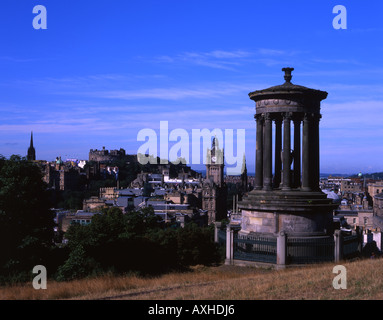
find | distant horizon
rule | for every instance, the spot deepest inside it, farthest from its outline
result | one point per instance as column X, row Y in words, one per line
column 202, row 169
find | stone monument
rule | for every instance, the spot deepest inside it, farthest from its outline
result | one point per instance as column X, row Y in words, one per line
column 287, row 196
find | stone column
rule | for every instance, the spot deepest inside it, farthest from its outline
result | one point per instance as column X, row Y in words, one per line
column 306, row 153
column 315, row 153
column 267, row 154
column 259, row 153
column 286, row 157
column 277, row 153
column 297, row 153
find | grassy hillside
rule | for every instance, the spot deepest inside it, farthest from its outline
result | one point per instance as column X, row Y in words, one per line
column 364, row 281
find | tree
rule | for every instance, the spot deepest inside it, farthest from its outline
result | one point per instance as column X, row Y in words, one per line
column 26, row 222
column 196, row 245
column 135, row 241
column 78, row 265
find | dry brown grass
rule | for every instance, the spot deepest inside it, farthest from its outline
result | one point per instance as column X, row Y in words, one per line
column 364, row 281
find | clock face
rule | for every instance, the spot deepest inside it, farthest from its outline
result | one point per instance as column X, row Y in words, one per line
column 213, row 159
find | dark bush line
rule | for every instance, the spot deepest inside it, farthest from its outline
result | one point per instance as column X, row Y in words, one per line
column 135, row 242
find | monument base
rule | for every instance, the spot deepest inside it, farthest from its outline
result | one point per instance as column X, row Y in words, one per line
column 298, row 213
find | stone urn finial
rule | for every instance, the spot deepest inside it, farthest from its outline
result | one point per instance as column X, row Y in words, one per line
column 288, row 75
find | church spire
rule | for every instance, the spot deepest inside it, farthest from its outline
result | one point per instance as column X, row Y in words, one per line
column 244, row 168
column 31, row 144
column 244, row 174
column 31, row 156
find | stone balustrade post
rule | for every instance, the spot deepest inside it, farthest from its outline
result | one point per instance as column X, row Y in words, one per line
column 281, row 249
column 338, row 247
column 217, row 227
column 229, row 245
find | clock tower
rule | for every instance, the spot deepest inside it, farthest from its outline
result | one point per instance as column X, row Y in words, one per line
column 214, row 187
column 215, row 163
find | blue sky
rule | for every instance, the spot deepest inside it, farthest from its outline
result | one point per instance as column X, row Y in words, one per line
column 104, row 70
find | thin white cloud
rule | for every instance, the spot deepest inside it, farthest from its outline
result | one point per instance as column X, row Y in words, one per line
column 173, row 93
column 219, row 54
column 271, row 52
column 219, row 59
column 229, row 60
column 336, row 61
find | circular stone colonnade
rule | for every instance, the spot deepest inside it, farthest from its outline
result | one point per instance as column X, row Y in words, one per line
column 287, row 196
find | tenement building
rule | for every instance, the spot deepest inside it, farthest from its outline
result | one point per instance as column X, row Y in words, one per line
column 375, row 189
column 378, row 211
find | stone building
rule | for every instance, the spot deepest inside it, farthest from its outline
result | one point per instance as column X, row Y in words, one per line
column 378, row 211
column 351, row 186
column 331, row 183
column 109, row 193
column 375, row 189
column 104, row 155
column 61, row 176
column 357, row 216
column 182, row 197
column 80, row 217
column 109, row 155
column 378, row 204
column 69, row 178
column 94, row 203
column 51, row 176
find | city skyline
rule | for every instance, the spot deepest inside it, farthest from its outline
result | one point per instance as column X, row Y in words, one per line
column 102, row 72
